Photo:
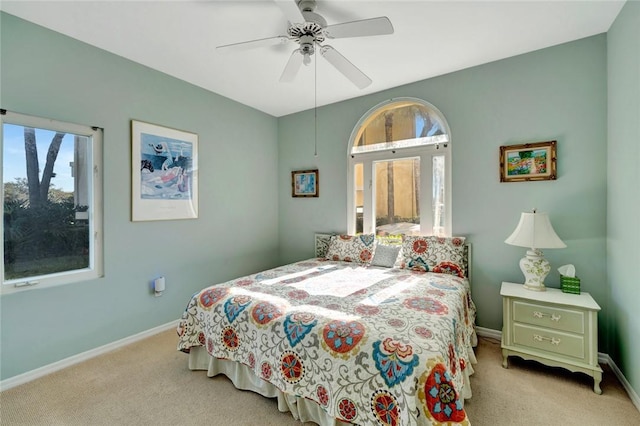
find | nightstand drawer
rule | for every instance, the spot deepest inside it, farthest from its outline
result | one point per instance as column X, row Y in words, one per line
column 548, row 316
column 549, row 340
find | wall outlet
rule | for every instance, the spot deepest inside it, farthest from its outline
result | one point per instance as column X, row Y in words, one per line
column 159, row 285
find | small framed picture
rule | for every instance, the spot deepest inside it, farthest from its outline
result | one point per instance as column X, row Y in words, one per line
column 304, row 183
column 529, row 161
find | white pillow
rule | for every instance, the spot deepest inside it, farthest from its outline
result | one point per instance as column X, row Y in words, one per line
column 386, row 256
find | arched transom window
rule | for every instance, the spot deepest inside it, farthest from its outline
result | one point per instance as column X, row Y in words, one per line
column 399, row 170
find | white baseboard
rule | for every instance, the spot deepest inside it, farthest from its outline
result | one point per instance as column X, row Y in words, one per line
column 606, row 359
column 75, row 359
column 487, row 332
column 602, row 358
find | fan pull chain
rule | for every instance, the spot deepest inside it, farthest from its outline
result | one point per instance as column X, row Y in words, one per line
column 315, row 107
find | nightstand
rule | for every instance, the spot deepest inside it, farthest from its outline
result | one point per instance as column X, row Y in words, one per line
column 555, row 328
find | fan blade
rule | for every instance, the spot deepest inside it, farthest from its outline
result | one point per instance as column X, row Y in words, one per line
column 343, row 65
column 291, row 11
column 252, row 44
column 292, row 67
column 362, row 28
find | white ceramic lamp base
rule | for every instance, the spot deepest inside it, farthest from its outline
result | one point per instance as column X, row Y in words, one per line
column 535, row 269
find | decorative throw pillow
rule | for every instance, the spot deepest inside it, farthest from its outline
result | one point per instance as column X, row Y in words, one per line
column 385, row 255
column 352, row 248
column 434, row 254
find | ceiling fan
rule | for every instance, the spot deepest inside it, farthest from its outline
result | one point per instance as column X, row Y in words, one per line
column 309, row 30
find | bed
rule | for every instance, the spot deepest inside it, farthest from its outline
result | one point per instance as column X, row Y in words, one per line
column 365, row 333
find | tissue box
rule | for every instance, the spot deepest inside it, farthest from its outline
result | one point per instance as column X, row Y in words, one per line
column 570, row 284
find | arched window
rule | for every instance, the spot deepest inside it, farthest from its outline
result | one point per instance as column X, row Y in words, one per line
column 400, row 170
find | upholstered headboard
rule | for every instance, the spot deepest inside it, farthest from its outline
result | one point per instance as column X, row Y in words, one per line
column 322, row 245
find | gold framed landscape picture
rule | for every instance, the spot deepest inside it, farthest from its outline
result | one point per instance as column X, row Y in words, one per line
column 528, row 162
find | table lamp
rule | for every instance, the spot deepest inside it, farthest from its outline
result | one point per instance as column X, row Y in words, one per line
column 535, row 231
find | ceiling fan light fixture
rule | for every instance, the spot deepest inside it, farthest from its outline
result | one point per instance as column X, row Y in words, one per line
column 306, row 44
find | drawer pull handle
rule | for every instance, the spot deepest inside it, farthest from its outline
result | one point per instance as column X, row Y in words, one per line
column 554, row 317
column 551, row 340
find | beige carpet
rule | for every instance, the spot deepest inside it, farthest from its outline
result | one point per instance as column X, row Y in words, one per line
column 148, row 383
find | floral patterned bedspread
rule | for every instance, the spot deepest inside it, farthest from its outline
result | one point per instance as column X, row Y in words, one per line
column 370, row 345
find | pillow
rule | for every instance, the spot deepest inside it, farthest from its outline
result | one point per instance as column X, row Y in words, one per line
column 385, row 255
column 352, row 248
column 434, row 254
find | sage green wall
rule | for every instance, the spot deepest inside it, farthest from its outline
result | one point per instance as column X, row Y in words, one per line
column 556, row 93
column 623, row 181
column 47, row 74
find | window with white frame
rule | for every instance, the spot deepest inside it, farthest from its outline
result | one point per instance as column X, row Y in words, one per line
column 399, row 174
column 52, row 202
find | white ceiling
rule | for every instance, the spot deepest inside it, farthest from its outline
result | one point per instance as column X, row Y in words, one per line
column 431, row 38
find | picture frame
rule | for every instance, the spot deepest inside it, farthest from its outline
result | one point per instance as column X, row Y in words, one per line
column 528, row 162
column 305, row 183
column 164, row 173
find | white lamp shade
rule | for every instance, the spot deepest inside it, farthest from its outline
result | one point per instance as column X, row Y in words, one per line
column 535, row 231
